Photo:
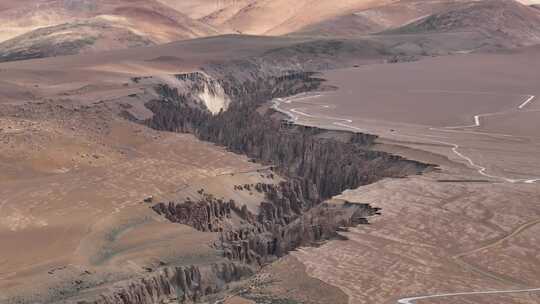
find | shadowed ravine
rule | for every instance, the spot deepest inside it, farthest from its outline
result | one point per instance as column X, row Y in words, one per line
column 313, row 166
column 317, row 164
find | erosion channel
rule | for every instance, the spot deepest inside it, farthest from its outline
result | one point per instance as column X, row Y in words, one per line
column 313, row 165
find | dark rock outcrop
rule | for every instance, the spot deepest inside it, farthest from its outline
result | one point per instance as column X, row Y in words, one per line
column 205, row 215
column 182, row 284
column 317, row 163
column 264, row 242
column 325, row 162
column 283, row 223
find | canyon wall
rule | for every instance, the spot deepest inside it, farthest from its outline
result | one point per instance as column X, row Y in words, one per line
column 180, row 284
column 316, row 165
column 325, row 162
column 282, row 224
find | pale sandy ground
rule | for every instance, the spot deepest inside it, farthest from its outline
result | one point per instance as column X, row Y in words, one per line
column 71, row 205
column 415, row 102
column 73, row 176
column 68, row 176
column 439, row 237
column 71, row 202
column 32, row 79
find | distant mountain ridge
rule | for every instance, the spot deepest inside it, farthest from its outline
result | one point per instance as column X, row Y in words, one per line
column 65, row 27
column 379, row 18
column 508, row 21
column 44, row 28
column 70, row 39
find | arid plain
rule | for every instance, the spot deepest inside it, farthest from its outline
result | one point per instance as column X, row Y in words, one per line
column 462, row 228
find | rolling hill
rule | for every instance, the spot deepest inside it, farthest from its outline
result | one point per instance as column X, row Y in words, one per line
column 510, row 23
column 379, row 18
column 282, row 17
column 70, row 39
column 45, row 28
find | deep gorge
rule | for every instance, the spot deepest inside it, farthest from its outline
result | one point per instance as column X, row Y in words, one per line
column 317, row 164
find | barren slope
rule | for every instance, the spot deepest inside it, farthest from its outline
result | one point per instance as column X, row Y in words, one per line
column 54, row 27
column 508, row 21
column 282, row 17
column 70, row 39
column 73, row 177
column 147, row 21
column 379, row 18
column 197, row 9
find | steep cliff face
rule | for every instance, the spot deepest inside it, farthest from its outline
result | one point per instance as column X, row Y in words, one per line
column 318, row 164
column 198, row 89
column 264, row 241
column 182, row 284
column 206, row 215
column 326, row 163
column 209, row 91
column 181, row 109
column 285, row 221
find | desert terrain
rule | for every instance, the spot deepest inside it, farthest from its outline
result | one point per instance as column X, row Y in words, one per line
column 444, row 234
column 49, row 28
column 359, row 151
column 378, row 99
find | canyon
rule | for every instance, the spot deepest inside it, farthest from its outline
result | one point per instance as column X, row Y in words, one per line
column 295, row 212
column 303, row 168
column 366, row 152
